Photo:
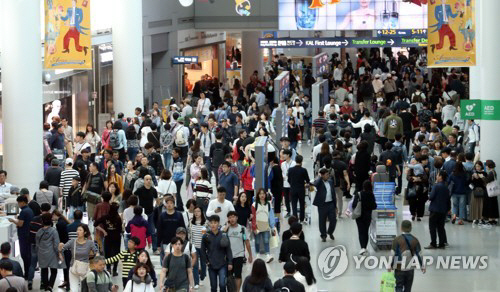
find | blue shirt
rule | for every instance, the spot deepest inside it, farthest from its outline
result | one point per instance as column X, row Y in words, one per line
column 228, row 182
column 26, row 215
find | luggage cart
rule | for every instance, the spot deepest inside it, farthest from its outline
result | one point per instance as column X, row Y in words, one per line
column 383, row 228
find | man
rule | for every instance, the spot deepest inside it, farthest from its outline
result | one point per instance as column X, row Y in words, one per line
column 68, row 136
column 326, row 202
column 239, row 241
column 53, row 173
column 342, row 181
column 167, row 224
column 218, row 256
column 318, row 125
column 149, row 169
column 94, row 184
column 207, row 138
column 298, row 179
column 23, row 233
column 154, row 158
column 32, row 204
column 80, row 146
column 35, row 225
column 218, row 152
column 285, row 166
column 260, row 97
column 440, row 204
column 340, row 95
column 404, row 248
column 4, row 185
column 449, row 111
column 473, row 136
column 389, row 159
column 220, row 206
column 332, row 107
column 98, row 280
column 229, row 181
column 288, row 282
column 449, row 160
column 390, row 89
column 285, row 144
column 443, row 13
column 72, row 227
column 56, row 141
column 448, row 128
column 393, row 125
column 9, row 280
column 147, row 194
column 16, row 270
column 123, row 121
column 454, row 145
column 67, row 176
column 401, row 155
column 74, row 16
column 178, row 267
column 181, row 134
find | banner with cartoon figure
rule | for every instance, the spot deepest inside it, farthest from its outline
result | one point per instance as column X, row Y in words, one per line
column 67, row 34
column 452, row 31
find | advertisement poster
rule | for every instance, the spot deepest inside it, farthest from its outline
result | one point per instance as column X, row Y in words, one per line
column 452, row 31
column 352, row 14
column 67, row 34
column 61, row 108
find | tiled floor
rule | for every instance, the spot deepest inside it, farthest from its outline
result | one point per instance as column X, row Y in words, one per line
column 464, row 240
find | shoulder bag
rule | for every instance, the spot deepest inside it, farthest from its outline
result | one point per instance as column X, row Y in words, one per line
column 493, row 188
column 78, row 268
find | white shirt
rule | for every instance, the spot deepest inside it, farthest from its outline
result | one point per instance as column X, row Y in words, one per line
column 302, row 280
column 361, row 124
column 444, row 13
column 203, row 106
column 317, row 150
column 73, row 17
column 186, row 249
column 328, row 197
column 327, row 107
column 128, row 214
column 186, row 111
column 225, row 208
column 285, row 166
column 166, row 187
column 337, row 74
column 473, row 133
column 207, row 139
column 5, row 188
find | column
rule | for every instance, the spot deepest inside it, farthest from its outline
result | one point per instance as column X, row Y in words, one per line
column 475, row 72
column 22, row 93
column 252, row 57
column 128, row 88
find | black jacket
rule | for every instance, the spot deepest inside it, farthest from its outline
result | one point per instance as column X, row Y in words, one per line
column 320, row 197
column 298, row 177
column 440, row 199
column 368, row 204
column 290, row 283
column 295, row 248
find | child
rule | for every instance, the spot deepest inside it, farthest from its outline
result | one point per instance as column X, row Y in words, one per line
column 128, row 258
column 138, row 227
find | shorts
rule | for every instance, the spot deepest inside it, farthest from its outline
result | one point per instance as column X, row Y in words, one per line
column 237, row 267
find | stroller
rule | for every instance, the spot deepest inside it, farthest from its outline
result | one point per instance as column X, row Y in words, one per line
column 308, row 206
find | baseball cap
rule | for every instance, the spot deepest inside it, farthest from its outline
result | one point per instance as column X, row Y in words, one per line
column 194, row 120
column 180, row 230
column 69, row 161
column 180, row 119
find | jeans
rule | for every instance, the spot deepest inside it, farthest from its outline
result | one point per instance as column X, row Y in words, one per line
column 404, row 280
column 293, row 145
column 326, row 211
column 459, row 205
column 471, row 147
column 436, row 223
column 221, row 274
column 45, row 277
column 132, row 153
column 167, row 157
column 34, row 262
column 264, row 238
column 153, row 231
column 72, row 211
column 298, row 196
column 200, row 263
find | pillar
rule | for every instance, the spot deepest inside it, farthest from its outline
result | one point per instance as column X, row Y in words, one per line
column 252, row 57
column 128, row 88
column 22, row 93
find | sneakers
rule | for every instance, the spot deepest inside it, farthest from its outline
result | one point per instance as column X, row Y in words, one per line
column 460, row 222
column 430, row 246
column 308, row 142
column 453, row 219
column 269, row 258
column 196, row 287
column 419, row 219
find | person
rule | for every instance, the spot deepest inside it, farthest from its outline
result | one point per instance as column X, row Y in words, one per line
column 35, row 225
column 217, row 254
column 9, row 280
column 298, row 179
column 5, row 249
column 167, row 186
column 22, row 223
column 478, row 193
column 243, row 209
column 43, row 195
column 404, row 248
column 288, row 281
column 198, row 228
column 67, row 176
column 167, row 224
column 304, row 274
column 101, row 210
column 220, row 206
column 146, row 195
column 138, row 225
column 145, row 259
column 47, row 242
column 111, row 227
column 393, row 125
column 81, row 247
column 459, row 188
column 141, row 280
column 62, row 231
column 218, row 152
column 177, row 268
column 368, row 204
column 128, row 257
column 229, row 181
column 203, row 190
column 263, row 222
column 286, row 165
column 239, row 242
column 258, row 280
column 94, row 184
column 98, row 280
column 294, row 247
column 92, row 138
column 440, row 204
column 490, row 204
column 75, row 198
column 473, row 137
column 326, row 201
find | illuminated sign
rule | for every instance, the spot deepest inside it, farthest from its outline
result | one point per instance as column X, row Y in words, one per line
column 181, row 60
column 343, row 42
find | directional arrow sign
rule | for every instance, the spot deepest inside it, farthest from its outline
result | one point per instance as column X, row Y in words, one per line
column 300, row 43
column 391, row 42
column 346, row 42
column 369, row 42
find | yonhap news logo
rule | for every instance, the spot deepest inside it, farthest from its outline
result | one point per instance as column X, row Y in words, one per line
column 333, row 262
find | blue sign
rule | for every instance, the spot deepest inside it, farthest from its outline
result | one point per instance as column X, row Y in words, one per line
column 181, row 60
column 339, row 42
column 402, row 32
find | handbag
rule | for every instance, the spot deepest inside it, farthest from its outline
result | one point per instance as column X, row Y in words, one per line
column 493, row 188
column 411, row 192
column 231, row 284
column 274, row 241
column 478, row 192
column 356, row 213
column 78, row 268
column 91, row 197
column 387, row 282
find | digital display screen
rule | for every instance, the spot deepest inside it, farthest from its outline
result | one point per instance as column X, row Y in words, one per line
column 350, row 15
column 320, row 65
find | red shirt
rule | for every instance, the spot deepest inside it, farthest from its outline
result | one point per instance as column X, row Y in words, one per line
column 346, row 110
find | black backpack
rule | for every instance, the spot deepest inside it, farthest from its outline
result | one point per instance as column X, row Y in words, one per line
column 398, row 151
column 218, row 156
column 85, row 286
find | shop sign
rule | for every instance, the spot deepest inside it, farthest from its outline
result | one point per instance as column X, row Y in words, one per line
column 191, row 38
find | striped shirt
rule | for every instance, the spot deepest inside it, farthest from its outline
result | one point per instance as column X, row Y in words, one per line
column 67, row 176
column 197, row 234
column 203, row 189
column 128, row 261
column 319, row 123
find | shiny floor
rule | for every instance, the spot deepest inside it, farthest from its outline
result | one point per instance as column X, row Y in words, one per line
column 464, row 241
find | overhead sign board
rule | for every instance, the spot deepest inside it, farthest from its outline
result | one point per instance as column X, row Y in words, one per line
column 402, row 32
column 343, row 42
column 181, row 60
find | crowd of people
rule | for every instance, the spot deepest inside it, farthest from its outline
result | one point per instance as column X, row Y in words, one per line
column 184, row 188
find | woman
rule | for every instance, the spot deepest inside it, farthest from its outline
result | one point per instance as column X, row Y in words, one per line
column 253, row 109
column 144, row 131
column 141, row 280
column 129, row 175
column 437, row 114
column 243, row 209
column 198, row 229
column 137, row 125
column 203, row 108
column 166, row 185
column 144, row 258
column 478, row 193
column 43, row 195
column 195, row 173
column 111, row 226
column 490, row 204
column 418, row 190
column 268, row 125
column 457, row 183
column 47, row 241
column 81, row 249
column 368, row 204
column 203, row 190
column 304, row 274
column 324, row 153
column 263, row 223
column 194, row 149
column 293, row 133
column 116, row 196
column 132, row 142
column 361, row 165
column 105, row 135
column 167, row 142
column 92, row 137
column 258, row 280
column 61, row 227
column 247, row 181
column 114, row 177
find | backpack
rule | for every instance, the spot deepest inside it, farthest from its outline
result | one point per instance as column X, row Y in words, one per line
column 183, row 248
column 164, row 141
column 85, row 286
column 425, row 116
column 282, row 289
column 169, row 257
column 218, row 156
column 180, row 139
column 114, row 141
column 398, row 150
